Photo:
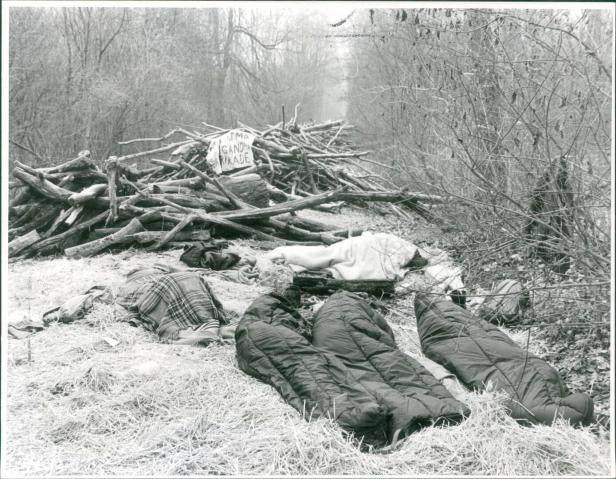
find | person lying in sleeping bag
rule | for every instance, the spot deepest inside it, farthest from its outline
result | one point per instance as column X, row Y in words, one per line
column 349, row 369
column 479, row 353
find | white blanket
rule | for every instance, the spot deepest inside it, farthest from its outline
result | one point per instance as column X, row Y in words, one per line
column 369, row 256
column 445, row 276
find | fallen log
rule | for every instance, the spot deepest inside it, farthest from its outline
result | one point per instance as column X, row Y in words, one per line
column 281, row 196
column 281, row 226
column 88, row 193
column 250, row 188
column 111, row 165
column 328, row 156
column 299, row 233
column 148, row 237
column 194, row 183
column 182, row 200
column 166, row 164
column 209, row 218
column 278, row 195
column 182, row 190
column 171, row 146
column 174, row 232
column 54, row 241
column 74, row 215
column 217, row 220
column 323, row 285
column 15, row 212
column 20, row 196
column 23, row 242
column 323, row 126
column 281, row 208
column 159, row 236
column 185, row 149
column 178, row 195
column 101, row 232
column 306, row 223
column 93, row 247
column 13, row 233
column 389, row 196
column 245, row 171
column 80, row 175
column 43, row 186
column 410, row 200
column 313, row 185
column 339, row 194
column 82, row 162
column 39, row 217
column 162, row 214
column 157, row 225
column 272, row 147
column 63, row 216
column 234, row 200
column 137, row 140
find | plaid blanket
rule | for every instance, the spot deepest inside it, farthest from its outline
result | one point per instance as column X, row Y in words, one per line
column 174, row 305
column 138, row 282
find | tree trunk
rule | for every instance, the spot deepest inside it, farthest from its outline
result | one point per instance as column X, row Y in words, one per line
column 550, row 210
column 224, row 63
column 112, row 179
column 250, row 188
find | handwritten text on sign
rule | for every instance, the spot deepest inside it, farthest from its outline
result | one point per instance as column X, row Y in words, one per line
column 230, row 151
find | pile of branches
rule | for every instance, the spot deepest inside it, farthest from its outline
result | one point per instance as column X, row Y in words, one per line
column 81, row 209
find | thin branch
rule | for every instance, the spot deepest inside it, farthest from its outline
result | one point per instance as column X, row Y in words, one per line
column 25, row 148
column 589, row 51
column 344, row 20
column 115, row 34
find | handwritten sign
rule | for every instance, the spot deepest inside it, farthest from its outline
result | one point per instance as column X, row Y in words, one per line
column 231, row 151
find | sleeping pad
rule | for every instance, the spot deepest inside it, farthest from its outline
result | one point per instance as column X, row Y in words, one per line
column 479, row 353
column 350, row 370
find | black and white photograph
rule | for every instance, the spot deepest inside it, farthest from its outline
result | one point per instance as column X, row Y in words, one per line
column 307, row 239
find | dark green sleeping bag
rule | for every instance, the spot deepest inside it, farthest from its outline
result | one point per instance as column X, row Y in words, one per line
column 360, row 337
column 479, row 353
column 352, row 371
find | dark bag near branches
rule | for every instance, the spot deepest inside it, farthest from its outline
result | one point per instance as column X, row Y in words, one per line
column 506, row 303
column 205, row 255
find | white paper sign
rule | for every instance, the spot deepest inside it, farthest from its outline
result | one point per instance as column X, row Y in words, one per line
column 230, row 151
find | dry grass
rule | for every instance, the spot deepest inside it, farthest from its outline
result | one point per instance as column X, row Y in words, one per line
column 134, row 407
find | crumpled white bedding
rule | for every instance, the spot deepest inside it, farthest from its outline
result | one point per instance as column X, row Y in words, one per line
column 369, row 256
column 441, row 272
column 440, row 275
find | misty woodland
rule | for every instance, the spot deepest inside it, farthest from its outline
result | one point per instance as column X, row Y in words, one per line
column 315, row 239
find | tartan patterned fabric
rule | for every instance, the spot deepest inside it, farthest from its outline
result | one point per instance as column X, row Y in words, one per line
column 172, row 304
column 203, row 335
